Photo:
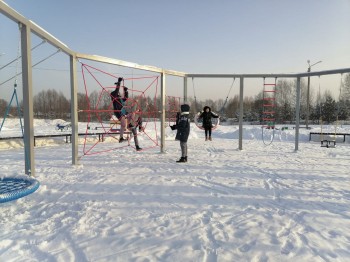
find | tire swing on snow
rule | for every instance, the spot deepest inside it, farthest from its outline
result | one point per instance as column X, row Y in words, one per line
column 12, row 188
column 215, row 122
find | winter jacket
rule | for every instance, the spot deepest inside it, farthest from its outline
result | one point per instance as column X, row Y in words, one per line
column 182, row 124
column 134, row 120
column 206, row 116
column 118, row 102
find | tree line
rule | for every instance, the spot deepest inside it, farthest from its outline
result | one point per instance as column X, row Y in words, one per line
column 50, row 104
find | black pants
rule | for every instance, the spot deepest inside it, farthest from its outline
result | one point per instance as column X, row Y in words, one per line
column 207, row 131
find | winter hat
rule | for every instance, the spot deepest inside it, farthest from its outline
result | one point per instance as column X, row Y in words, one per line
column 206, row 108
column 185, row 108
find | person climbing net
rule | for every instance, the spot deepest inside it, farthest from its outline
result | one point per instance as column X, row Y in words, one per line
column 118, row 114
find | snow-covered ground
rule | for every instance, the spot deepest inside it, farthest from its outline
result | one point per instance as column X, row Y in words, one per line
column 264, row 203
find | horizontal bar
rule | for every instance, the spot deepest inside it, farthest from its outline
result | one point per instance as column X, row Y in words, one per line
column 18, row 18
column 269, row 98
column 316, row 73
column 129, row 64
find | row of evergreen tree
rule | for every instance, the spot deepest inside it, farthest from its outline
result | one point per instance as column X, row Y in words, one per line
column 51, row 104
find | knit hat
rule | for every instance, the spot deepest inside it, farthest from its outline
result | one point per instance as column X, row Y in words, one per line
column 185, row 108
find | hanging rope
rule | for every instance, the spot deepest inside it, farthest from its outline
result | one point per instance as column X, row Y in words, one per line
column 17, row 74
column 223, row 107
column 14, row 60
column 14, row 94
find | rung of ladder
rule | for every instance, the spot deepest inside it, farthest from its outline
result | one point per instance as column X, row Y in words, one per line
column 270, row 91
column 270, row 105
column 269, row 84
column 271, row 112
column 269, row 98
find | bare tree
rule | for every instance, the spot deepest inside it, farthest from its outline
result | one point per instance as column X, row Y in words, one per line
column 51, row 104
column 3, row 106
column 345, row 88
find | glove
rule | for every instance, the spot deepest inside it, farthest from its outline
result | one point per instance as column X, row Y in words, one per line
column 119, row 81
column 140, row 128
column 125, row 89
column 173, row 127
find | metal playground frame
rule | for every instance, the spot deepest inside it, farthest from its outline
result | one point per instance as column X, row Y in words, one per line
column 28, row 27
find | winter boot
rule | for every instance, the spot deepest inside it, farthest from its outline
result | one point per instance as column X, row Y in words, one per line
column 206, row 138
column 138, row 148
column 185, row 158
column 121, row 139
column 181, row 160
column 210, row 138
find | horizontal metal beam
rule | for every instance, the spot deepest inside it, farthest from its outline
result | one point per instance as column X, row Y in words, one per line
column 42, row 33
column 37, row 30
column 306, row 74
column 241, row 75
column 6, row 10
column 118, row 62
column 327, row 72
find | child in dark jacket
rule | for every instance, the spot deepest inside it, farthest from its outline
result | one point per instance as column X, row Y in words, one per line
column 118, row 106
column 206, row 115
column 183, row 130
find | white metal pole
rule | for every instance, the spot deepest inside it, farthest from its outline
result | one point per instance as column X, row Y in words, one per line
column 297, row 115
column 74, row 108
column 185, row 90
column 28, row 134
column 162, row 114
column 241, row 84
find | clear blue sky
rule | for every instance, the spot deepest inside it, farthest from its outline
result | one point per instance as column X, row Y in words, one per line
column 226, row 36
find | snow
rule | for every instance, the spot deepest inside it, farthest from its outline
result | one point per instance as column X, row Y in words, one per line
column 262, row 203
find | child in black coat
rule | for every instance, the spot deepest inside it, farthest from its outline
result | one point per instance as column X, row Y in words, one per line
column 118, row 105
column 183, row 130
column 206, row 115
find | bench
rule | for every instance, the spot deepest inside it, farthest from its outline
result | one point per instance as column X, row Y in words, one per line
column 67, row 136
column 328, row 134
column 114, row 125
column 302, row 127
column 113, row 129
column 328, row 143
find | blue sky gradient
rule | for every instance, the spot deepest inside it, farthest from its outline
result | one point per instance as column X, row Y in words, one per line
column 225, row 36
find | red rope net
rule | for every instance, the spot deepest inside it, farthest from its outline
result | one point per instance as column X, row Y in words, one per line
column 101, row 119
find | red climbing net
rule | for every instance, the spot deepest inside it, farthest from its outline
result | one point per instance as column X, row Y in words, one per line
column 99, row 110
